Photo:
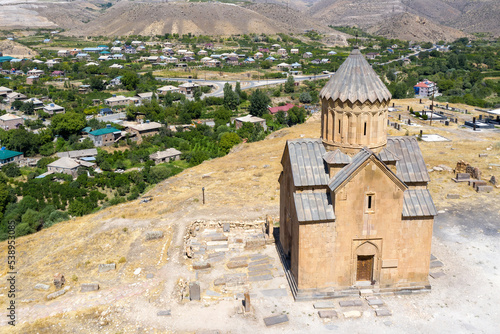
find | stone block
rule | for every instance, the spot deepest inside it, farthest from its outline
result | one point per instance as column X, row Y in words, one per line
column 163, row 313
column 352, row 314
column 194, row 291
column 483, row 155
column 437, row 274
column 105, row 267
column 201, row 265
column 328, row 314
column 484, row 189
column 226, row 227
column 260, row 278
column 152, row 235
column 277, row 319
column 350, row 303
column 452, row 196
column 237, row 264
column 219, row 281
column 365, row 292
column 150, row 275
column 383, row 312
column 86, row 287
column 41, row 286
column 436, row 264
column 255, row 243
column 57, row 293
column 259, row 267
column 375, row 302
column 258, row 273
column 324, row 304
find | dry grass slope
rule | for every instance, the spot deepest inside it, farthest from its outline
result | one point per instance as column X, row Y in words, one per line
column 409, row 27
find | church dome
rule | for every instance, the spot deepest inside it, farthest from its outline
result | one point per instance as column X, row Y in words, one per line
column 354, row 81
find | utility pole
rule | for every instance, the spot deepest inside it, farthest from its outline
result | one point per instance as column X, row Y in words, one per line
column 432, row 106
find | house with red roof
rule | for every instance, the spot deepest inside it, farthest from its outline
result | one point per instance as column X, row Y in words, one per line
column 425, row 88
column 285, row 108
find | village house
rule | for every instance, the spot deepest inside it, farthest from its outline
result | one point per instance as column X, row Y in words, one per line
column 51, row 62
column 53, row 109
column 202, row 53
column 82, row 56
column 119, row 100
column 116, row 81
column 165, row 89
column 64, row 165
column 63, row 53
column 285, row 108
column 116, row 49
column 232, row 61
column 145, row 96
column 275, row 46
column 355, row 211
column 258, row 55
column 4, row 91
column 7, row 156
column 32, row 79
column 35, row 72
column 11, row 97
column 331, row 53
column 307, row 55
column 213, row 63
column 283, row 67
column 372, row 55
column 10, row 121
column 57, row 74
column 105, row 136
column 425, row 88
column 142, row 130
column 170, row 60
column 130, row 49
column 282, row 52
column 74, row 52
column 294, row 51
column 79, row 154
column 117, row 66
column 188, row 88
column 168, row 155
column 37, row 104
column 238, row 122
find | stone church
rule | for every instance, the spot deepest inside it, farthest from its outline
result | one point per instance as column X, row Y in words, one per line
column 355, row 212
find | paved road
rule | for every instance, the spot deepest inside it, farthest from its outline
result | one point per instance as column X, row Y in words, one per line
column 407, row 56
column 245, row 84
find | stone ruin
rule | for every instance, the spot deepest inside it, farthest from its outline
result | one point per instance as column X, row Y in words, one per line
column 464, row 167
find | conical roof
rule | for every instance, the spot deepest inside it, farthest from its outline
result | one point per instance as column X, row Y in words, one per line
column 355, row 80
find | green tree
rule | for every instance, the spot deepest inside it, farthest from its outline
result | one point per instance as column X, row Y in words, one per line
column 237, row 89
column 130, row 80
column 231, row 99
column 281, row 117
column 96, row 83
column 28, row 108
column 305, row 97
column 228, row 140
column 222, row 116
column 290, row 85
column 68, row 124
column 296, row 115
column 11, row 170
column 259, row 103
column 266, row 64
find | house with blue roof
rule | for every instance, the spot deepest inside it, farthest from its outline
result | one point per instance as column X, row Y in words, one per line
column 7, row 156
column 104, row 137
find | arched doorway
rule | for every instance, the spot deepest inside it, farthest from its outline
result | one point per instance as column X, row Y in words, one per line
column 366, row 263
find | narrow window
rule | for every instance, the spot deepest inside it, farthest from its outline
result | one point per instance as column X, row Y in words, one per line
column 365, row 129
column 339, row 125
column 370, row 203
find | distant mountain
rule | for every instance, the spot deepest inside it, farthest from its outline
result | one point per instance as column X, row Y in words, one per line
column 410, row 27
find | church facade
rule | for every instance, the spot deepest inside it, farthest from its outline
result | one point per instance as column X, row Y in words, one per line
column 355, row 211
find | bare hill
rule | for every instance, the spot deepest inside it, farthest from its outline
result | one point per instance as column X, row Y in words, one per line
column 215, row 18
column 410, row 27
column 14, row 49
column 469, row 16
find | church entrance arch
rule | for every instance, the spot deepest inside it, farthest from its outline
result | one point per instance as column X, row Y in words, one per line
column 366, row 262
